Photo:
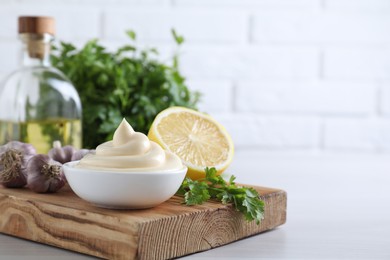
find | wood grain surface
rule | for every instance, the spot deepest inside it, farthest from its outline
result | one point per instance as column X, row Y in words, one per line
column 169, row 230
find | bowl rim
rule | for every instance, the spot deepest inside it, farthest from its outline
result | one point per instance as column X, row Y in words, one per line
column 70, row 166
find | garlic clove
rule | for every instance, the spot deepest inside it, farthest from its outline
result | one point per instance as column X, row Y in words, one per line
column 12, row 177
column 61, row 154
column 13, row 163
column 44, row 174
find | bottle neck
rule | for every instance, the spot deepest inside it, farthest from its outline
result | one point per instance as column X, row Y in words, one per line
column 36, row 49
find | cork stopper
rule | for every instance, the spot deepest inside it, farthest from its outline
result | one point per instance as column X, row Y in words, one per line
column 36, row 24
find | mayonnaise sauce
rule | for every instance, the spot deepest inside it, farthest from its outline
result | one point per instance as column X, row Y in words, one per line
column 130, row 151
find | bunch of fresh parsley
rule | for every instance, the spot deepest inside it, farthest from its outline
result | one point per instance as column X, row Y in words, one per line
column 128, row 83
column 245, row 199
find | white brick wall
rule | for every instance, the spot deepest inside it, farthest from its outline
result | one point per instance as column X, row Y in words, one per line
column 246, row 62
column 371, row 134
column 385, row 98
column 319, row 27
column 357, row 63
column 296, row 75
column 200, row 26
column 315, row 98
column 359, row 5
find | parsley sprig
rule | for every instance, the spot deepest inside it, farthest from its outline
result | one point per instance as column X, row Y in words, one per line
column 132, row 82
column 245, row 199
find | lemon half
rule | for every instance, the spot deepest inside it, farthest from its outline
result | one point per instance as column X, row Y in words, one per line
column 196, row 138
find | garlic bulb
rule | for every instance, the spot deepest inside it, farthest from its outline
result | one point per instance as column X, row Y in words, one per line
column 79, row 154
column 61, row 154
column 44, row 174
column 13, row 162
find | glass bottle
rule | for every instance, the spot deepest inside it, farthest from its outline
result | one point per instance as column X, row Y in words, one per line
column 38, row 104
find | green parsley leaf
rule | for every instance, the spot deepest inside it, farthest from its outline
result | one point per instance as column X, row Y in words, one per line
column 245, row 199
column 197, row 193
column 178, row 38
column 131, row 34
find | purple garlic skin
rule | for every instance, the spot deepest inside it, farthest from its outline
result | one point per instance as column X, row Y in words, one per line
column 79, row 154
column 14, row 157
column 44, row 174
column 61, row 154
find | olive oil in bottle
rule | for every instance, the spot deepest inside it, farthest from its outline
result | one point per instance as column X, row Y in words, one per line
column 43, row 133
column 38, row 104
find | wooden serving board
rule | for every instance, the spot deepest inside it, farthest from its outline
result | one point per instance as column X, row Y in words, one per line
column 169, row 230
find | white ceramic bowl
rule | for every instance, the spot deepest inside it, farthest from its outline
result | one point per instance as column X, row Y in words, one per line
column 123, row 190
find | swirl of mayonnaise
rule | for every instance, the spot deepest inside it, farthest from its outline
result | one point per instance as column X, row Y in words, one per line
column 130, row 151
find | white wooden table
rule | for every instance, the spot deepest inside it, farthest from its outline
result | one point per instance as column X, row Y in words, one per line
column 338, row 208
